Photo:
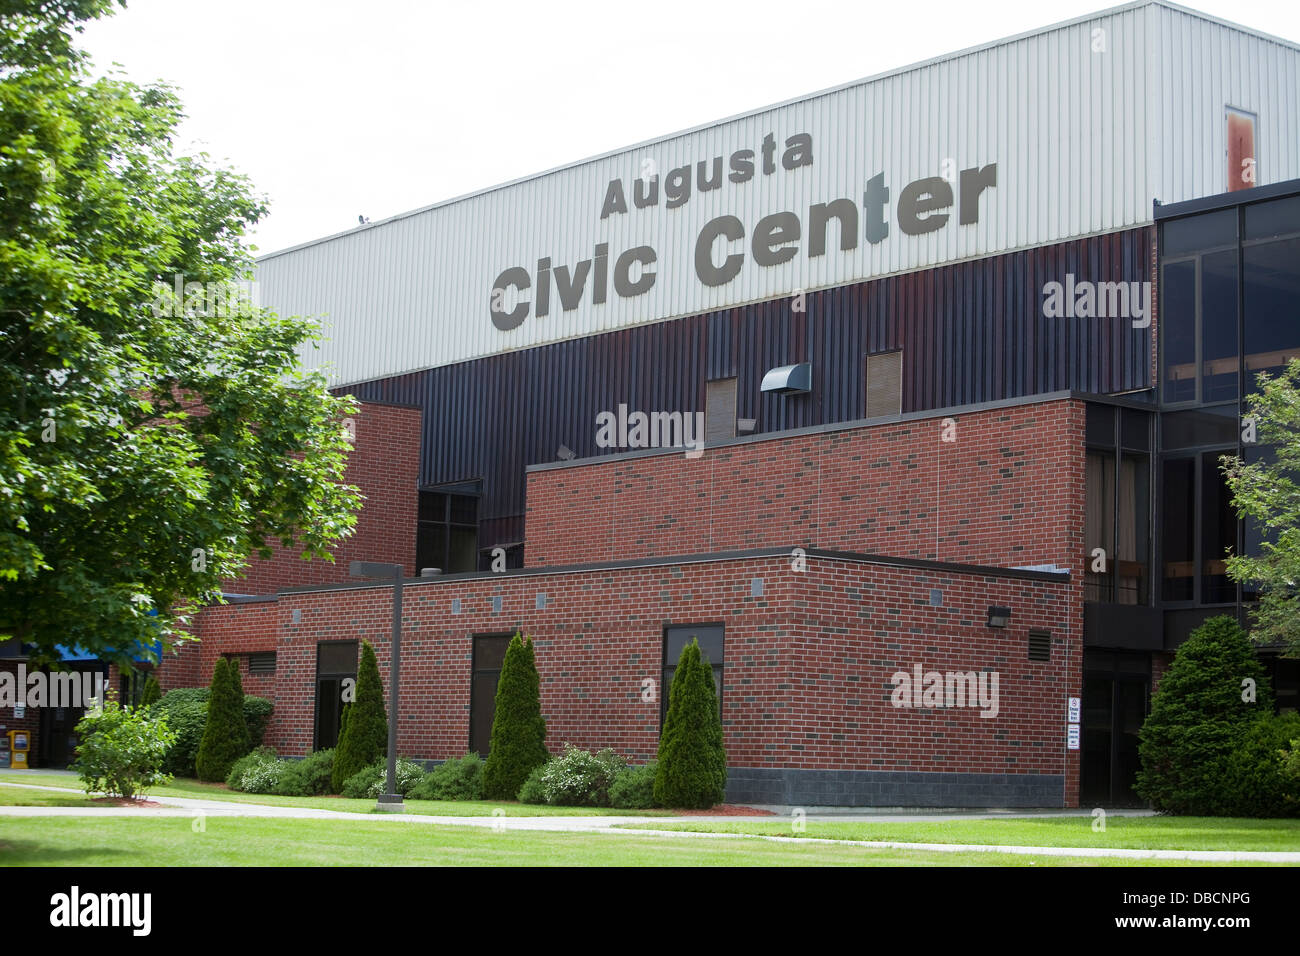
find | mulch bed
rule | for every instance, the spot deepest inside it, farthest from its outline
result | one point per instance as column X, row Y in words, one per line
column 726, row 810
column 124, row 802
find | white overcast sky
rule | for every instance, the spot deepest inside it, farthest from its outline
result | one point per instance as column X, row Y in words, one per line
column 339, row 109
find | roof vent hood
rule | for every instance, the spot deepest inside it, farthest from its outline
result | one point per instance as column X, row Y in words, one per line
column 789, row 379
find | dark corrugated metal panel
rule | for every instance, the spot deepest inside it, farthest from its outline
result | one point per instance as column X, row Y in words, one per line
column 970, row 332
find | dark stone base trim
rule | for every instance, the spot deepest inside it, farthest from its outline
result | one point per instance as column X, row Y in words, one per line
column 884, row 788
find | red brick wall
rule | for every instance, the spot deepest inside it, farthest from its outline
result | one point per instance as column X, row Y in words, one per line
column 385, row 465
column 807, row 665
column 1007, row 491
column 31, row 719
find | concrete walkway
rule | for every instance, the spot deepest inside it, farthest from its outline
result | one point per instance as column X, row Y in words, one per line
column 193, row 808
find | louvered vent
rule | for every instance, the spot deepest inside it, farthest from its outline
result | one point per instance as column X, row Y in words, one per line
column 720, row 411
column 1040, row 645
column 261, row 663
column 884, row 384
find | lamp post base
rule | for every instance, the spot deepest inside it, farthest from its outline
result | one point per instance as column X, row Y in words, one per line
column 390, row 803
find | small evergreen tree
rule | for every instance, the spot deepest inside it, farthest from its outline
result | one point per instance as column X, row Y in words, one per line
column 1200, row 715
column 518, row 744
column 692, row 769
column 363, row 738
column 152, row 692
column 225, row 734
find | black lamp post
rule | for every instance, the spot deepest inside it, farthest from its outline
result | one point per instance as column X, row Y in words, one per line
column 392, row 800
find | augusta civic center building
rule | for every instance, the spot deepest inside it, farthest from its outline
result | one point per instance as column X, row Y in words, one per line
column 905, row 398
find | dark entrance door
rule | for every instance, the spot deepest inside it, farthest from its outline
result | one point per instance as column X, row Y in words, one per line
column 1116, row 692
column 56, row 744
column 336, row 675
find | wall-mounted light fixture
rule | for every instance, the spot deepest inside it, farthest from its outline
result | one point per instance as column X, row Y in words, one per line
column 999, row 616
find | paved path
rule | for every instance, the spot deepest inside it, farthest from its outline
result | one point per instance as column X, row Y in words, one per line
column 189, row 807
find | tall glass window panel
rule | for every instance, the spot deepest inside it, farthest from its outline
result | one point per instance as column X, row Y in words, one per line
column 1178, row 330
column 1218, row 533
column 1099, row 525
column 1178, row 547
column 1271, row 296
column 1133, row 534
column 1219, row 326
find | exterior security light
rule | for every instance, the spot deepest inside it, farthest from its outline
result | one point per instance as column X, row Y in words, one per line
column 999, row 616
column 789, row 380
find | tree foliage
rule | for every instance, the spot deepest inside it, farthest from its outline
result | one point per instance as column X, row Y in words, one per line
column 149, row 442
column 692, row 768
column 363, row 738
column 518, row 742
column 1266, row 488
column 225, row 735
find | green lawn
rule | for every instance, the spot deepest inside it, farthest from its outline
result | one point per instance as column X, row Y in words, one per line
column 212, row 791
column 1135, row 833
column 246, row 841
column 11, row 797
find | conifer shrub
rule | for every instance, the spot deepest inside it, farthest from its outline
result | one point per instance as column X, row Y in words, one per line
column 692, row 765
column 364, row 735
column 518, row 743
column 225, row 735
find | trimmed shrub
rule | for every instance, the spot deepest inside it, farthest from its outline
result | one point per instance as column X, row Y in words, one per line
column 692, row 767
column 518, row 743
column 120, row 750
column 364, row 734
column 1255, row 782
column 579, row 778
column 257, row 714
column 186, row 709
column 308, row 777
column 1198, row 720
column 186, row 718
column 454, row 779
column 256, row 772
column 152, row 692
column 532, row 790
column 371, row 781
column 225, row 737
column 634, row 787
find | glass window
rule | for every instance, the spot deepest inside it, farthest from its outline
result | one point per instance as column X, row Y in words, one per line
column 1178, row 330
column 1178, row 552
column 1269, row 220
column 1136, row 427
column 1218, row 533
column 676, row 638
column 1203, row 426
column 1133, row 533
column 1271, row 296
column 1099, row 524
column 447, row 537
column 1219, row 326
column 1195, row 233
column 336, row 664
column 1100, row 424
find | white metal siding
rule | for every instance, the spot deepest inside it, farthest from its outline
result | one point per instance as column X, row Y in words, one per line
column 1083, row 141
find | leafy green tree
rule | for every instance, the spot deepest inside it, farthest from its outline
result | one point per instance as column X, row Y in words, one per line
column 150, row 441
column 692, row 768
column 1267, row 490
column 363, row 738
column 1214, row 691
column 152, row 692
column 518, row 742
column 225, row 735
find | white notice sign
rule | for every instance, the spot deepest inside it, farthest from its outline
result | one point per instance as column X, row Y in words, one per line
column 1074, row 710
column 1072, row 737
